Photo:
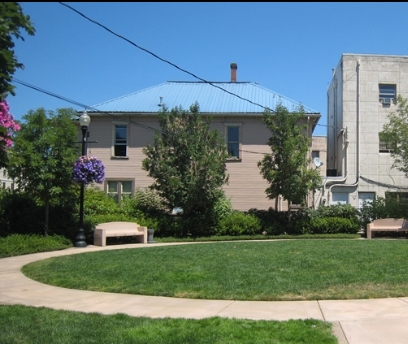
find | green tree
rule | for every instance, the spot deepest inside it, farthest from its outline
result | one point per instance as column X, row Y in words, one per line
column 286, row 167
column 12, row 20
column 43, row 154
column 187, row 163
column 395, row 135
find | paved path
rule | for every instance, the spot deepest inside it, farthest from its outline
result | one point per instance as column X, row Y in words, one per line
column 382, row 321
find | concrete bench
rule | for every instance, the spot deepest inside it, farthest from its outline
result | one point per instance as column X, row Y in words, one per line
column 119, row 229
column 386, row 225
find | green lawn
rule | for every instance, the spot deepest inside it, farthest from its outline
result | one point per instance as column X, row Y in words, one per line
column 31, row 325
column 262, row 270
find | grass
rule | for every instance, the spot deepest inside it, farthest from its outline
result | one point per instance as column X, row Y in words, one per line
column 21, row 324
column 256, row 270
column 286, row 263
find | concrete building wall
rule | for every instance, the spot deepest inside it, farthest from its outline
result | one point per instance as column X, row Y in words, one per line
column 356, row 116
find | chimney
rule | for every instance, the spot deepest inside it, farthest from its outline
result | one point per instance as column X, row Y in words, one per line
column 234, row 68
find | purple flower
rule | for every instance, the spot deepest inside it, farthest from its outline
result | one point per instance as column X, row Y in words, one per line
column 88, row 169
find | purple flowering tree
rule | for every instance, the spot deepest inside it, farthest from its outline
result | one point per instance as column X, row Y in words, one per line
column 8, row 127
column 88, row 169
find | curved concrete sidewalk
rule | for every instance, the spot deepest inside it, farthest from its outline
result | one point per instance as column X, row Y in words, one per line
column 355, row 321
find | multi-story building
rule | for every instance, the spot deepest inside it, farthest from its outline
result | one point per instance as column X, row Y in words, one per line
column 362, row 93
column 125, row 125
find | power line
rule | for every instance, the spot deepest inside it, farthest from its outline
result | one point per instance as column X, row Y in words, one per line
column 80, row 104
column 161, row 59
column 101, row 112
column 74, row 102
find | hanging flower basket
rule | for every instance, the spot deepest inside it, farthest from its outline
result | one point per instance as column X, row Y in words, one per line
column 88, row 169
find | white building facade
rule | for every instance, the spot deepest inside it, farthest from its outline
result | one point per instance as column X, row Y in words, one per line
column 362, row 93
column 5, row 181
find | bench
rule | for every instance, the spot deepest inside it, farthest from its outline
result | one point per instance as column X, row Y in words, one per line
column 119, row 229
column 386, row 225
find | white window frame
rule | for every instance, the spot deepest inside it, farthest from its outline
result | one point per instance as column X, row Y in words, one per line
column 239, row 142
column 115, row 143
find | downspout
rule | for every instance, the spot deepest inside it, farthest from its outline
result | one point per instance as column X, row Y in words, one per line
column 357, row 139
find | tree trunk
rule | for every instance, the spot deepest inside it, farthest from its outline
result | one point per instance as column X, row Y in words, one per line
column 47, row 217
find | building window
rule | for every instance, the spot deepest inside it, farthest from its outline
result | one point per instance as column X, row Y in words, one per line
column 387, row 94
column 233, row 141
column 120, row 141
column 385, row 147
column 399, row 197
column 118, row 189
column 339, row 198
column 315, row 154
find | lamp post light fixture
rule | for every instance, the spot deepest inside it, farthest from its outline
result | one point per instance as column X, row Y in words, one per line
column 84, row 121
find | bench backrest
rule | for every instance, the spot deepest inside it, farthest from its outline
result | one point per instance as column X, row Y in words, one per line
column 118, row 225
column 390, row 223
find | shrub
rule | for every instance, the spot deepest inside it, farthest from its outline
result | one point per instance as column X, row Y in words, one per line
column 331, row 225
column 382, row 208
column 19, row 213
column 222, row 208
column 97, row 202
column 273, row 222
column 345, row 211
column 238, row 223
column 18, row 244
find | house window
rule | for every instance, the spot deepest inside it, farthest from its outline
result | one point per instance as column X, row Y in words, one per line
column 387, row 94
column 233, row 141
column 385, row 147
column 315, row 154
column 120, row 141
column 119, row 189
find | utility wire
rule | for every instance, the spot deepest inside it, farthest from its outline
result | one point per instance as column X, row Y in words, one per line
column 74, row 102
column 161, row 59
column 80, row 104
column 102, row 112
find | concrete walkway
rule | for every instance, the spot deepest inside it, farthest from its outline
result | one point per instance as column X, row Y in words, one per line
column 355, row 321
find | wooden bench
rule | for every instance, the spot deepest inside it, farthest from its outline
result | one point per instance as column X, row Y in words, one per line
column 386, row 225
column 119, row 229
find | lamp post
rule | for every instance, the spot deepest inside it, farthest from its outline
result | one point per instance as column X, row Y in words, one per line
column 84, row 121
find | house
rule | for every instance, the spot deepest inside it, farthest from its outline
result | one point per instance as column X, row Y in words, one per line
column 361, row 94
column 123, row 126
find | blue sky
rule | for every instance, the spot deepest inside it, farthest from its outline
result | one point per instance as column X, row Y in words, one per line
column 289, row 48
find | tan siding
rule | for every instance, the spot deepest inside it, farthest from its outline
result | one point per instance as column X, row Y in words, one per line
column 246, row 186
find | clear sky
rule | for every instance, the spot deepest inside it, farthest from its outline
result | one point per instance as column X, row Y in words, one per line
column 289, row 48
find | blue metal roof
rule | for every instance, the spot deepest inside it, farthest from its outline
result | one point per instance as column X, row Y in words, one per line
column 214, row 98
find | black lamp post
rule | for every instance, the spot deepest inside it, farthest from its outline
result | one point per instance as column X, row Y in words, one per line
column 84, row 121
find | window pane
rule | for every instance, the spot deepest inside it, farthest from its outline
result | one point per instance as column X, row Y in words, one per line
column 233, row 134
column 233, row 149
column 120, row 140
column 120, row 150
column 127, row 187
column 112, row 186
column 387, row 94
column 121, row 133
